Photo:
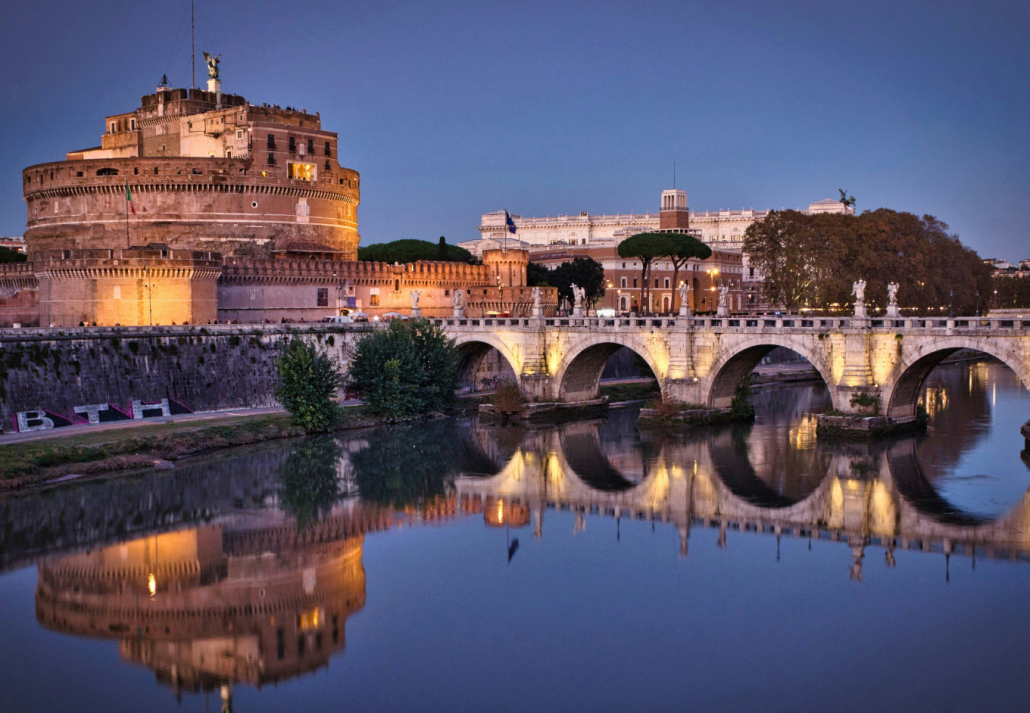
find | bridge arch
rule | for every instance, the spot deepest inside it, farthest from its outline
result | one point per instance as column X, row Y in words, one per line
column 578, row 375
column 901, row 390
column 731, row 366
column 473, row 349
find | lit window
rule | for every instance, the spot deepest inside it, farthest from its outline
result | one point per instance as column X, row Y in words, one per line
column 301, row 171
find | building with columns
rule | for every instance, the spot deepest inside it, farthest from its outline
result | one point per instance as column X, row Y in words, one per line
column 722, row 230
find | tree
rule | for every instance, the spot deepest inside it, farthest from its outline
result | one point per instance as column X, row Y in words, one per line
column 1007, row 292
column 536, row 275
column 793, row 257
column 647, row 247
column 7, row 256
column 407, row 369
column 687, row 247
column 812, row 260
column 405, row 251
column 507, row 400
column 308, row 380
column 583, row 272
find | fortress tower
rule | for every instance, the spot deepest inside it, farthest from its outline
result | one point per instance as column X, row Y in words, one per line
column 207, row 171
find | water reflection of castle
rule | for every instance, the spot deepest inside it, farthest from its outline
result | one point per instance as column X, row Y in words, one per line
column 860, row 494
column 251, row 600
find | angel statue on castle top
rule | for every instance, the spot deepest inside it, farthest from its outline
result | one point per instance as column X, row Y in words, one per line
column 212, row 65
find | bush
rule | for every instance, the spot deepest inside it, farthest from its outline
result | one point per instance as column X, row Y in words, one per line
column 308, row 380
column 408, row 369
column 864, row 400
column 741, row 404
column 507, row 399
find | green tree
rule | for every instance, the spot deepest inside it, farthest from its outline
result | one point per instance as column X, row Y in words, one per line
column 583, row 272
column 1007, row 292
column 686, row 247
column 7, row 256
column 647, row 247
column 537, row 274
column 407, row 369
column 405, row 251
column 308, row 381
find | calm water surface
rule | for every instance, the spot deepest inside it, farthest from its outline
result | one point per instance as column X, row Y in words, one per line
column 587, row 567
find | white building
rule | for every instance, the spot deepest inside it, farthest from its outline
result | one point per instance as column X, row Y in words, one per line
column 721, row 229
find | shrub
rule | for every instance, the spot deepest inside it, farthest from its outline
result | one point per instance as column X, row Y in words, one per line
column 864, row 400
column 407, row 369
column 308, row 380
column 507, row 399
column 741, row 404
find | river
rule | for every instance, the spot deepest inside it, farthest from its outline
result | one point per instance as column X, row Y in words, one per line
column 591, row 566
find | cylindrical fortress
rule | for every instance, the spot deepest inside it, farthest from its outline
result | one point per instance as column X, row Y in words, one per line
column 226, row 205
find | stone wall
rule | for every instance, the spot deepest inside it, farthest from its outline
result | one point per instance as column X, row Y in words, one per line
column 203, row 368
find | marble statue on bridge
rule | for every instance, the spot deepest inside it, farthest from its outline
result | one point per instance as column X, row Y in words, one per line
column 892, row 299
column 579, row 294
column 416, row 311
column 459, row 303
column 538, row 308
column 684, row 290
column 722, row 310
column 858, row 290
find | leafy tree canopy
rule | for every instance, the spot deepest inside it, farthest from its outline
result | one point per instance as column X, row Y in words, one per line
column 407, row 369
column 583, row 272
column 308, row 380
column 7, row 255
column 405, row 251
column 811, row 260
column 536, row 275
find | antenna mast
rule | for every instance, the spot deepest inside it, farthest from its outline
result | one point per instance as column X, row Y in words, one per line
column 673, row 174
column 193, row 50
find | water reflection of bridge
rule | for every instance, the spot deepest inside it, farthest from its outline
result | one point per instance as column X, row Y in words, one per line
column 863, row 494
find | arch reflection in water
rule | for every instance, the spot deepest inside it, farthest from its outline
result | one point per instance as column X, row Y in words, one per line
column 251, row 600
column 857, row 493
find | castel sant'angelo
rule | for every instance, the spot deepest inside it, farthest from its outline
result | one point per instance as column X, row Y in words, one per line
column 200, row 206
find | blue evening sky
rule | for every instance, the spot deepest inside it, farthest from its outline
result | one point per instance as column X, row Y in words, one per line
column 450, row 110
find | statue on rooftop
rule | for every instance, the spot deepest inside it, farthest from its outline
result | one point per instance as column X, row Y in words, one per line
column 858, row 290
column 212, row 65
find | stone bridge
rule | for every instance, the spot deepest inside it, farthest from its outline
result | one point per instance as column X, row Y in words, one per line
column 702, row 360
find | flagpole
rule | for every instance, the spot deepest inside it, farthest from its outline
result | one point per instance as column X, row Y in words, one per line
column 126, row 212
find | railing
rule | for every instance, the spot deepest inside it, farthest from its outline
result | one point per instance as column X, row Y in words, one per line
column 791, row 323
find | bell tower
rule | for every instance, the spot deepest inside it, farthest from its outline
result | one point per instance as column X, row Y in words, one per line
column 674, row 214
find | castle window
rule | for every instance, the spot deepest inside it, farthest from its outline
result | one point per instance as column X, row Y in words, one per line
column 634, row 282
column 155, row 170
column 327, row 166
column 328, row 150
column 114, row 126
column 271, row 142
column 373, row 300
column 293, row 145
column 622, row 282
column 78, row 174
column 301, row 171
column 323, row 296
column 239, row 134
column 107, row 171
column 666, row 283
column 132, row 124
column 135, row 171
column 311, row 146
column 271, row 159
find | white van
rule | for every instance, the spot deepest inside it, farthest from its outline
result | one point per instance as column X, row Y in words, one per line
column 338, row 319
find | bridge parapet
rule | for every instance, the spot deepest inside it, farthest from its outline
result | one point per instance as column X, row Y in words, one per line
column 701, row 360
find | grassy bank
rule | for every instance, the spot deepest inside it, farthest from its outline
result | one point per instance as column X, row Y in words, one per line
column 630, row 392
column 23, row 464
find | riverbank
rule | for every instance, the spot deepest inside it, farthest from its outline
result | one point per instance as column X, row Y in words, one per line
column 96, row 453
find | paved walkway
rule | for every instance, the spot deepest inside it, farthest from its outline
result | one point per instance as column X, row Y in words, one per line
column 84, row 428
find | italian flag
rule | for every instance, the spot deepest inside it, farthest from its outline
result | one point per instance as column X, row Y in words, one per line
column 128, row 197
